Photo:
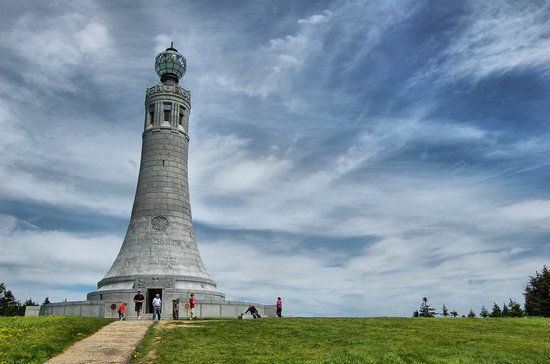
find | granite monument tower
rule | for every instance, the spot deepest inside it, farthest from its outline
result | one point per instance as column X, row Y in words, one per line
column 159, row 253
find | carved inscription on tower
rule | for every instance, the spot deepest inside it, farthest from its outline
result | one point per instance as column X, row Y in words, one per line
column 154, row 282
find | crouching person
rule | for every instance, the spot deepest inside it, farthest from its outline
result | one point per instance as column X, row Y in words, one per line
column 253, row 311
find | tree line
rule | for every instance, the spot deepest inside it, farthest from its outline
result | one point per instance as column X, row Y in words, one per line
column 537, row 302
column 10, row 306
column 510, row 309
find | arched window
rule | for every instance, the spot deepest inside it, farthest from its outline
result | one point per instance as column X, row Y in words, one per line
column 151, row 114
column 166, row 108
column 181, row 116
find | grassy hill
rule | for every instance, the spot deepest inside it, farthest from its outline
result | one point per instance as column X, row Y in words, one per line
column 296, row 340
column 348, row 340
column 36, row 339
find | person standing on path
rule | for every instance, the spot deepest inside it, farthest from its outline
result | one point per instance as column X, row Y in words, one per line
column 121, row 311
column 279, row 306
column 191, row 306
column 176, row 309
column 157, row 306
column 138, row 299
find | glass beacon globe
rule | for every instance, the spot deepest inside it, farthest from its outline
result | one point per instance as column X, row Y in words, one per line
column 170, row 63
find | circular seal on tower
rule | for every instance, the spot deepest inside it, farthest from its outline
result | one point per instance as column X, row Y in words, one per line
column 159, row 223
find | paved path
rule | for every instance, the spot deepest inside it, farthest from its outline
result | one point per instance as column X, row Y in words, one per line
column 114, row 343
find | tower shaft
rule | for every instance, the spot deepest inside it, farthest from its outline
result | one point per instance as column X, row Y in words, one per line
column 159, row 252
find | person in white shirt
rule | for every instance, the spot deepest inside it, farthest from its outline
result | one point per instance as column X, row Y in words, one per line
column 157, row 306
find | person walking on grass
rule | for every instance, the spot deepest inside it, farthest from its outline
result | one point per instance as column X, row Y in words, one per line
column 157, row 306
column 138, row 300
column 121, row 311
column 279, row 305
column 191, row 306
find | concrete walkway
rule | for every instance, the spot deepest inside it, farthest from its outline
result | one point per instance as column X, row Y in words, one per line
column 114, row 343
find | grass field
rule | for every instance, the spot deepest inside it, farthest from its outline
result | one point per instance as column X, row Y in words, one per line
column 36, row 339
column 340, row 340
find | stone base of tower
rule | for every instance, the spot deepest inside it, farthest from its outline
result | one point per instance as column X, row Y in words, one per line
column 104, row 308
column 174, row 290
column 166, row 296
column 168, row 286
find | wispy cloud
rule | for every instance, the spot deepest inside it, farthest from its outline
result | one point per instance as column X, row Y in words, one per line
column 501, row 37
column 317, row 18
column 386, row 278
column 531, row 212
column 495, row 38
column 59, row 47
column 38, row 263
column 277, row 61
column 74, row 174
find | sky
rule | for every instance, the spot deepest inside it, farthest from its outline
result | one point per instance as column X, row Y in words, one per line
column 351, row 157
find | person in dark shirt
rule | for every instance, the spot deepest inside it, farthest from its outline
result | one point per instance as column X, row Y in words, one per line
column 253, row 311
column 176, row 309
column 138, row 299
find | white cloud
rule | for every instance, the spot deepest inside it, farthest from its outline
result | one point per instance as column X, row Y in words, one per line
column 275, row 191
column 275, row 63
column 226, row 167
column 317, row 18
column 498, row 37
column 388, row 278
column 36, row 263
column 502, row 37
column 58, row 47
column 7, row 223
column 162, row 41
column 248, row 175
column 50, row 155
column 93, row 38
column 536, row 212
column 84, row 169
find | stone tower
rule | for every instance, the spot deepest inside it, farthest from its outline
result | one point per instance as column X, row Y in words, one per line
column 159, row 253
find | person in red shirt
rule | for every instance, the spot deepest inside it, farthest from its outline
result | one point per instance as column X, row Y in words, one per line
column 191, row 306
column 121, row 311
column 279, row 306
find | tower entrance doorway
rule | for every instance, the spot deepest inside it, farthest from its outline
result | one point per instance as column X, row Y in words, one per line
column 151, row 293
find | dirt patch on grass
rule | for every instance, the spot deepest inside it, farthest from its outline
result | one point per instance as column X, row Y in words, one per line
column 173, row 324
column 152, row 355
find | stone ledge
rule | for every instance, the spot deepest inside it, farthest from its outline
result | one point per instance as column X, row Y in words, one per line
column 203, row 309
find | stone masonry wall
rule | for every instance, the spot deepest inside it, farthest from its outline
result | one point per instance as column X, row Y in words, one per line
column 160, row 238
